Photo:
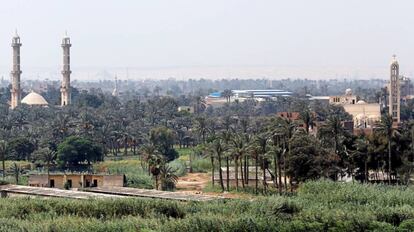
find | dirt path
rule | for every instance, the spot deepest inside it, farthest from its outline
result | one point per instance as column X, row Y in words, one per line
column 193, row 182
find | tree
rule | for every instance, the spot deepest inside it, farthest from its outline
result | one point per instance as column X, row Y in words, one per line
column 307, row 118
column 76, row 150
column 163, row 139
column 227, row 93
column 3, row 152
column 239, row 149
column 218, row 148
column 386, row 128
column 168, row 178
column 20, row 148
column 151, row 156
column 16, row 171
column 47, row 156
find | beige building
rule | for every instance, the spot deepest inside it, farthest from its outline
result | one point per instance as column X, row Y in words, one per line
column 348, row 98
column 364, row 115
column 76, row 180
column 188, row 109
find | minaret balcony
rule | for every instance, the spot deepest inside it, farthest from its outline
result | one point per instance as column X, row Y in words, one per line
column 16, row 72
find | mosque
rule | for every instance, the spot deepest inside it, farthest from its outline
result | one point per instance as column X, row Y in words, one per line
column 33, row 98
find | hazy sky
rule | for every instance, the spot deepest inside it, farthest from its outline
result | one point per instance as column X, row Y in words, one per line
column 349, row 37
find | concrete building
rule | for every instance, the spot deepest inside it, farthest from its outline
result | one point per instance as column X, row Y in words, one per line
column 217, row 99
column 76, row 180
column 394, row 91
column 65, row 88
column 364, row 115
column 188, row 109
column 16, row 73
column 348, row 98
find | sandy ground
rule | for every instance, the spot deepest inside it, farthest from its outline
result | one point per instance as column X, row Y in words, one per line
column 195, row 183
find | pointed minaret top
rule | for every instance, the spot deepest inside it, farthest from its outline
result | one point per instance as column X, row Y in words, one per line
column 394, row 60
column 15, row 33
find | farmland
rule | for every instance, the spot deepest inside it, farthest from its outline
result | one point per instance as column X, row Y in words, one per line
column 317, row 206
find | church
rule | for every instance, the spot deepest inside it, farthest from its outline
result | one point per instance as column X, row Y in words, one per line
column 33, row 98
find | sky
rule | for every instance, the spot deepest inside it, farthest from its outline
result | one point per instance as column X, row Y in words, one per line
column 210, row 38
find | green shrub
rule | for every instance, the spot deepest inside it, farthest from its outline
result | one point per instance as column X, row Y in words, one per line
column 201, row 165
column 179, row 167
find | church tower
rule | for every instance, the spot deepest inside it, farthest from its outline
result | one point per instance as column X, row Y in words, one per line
column 16, row 73
column 394, row 98
column 65, row 87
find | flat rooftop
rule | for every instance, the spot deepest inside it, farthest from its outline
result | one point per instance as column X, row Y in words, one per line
column 134, row 192
column 53, row 192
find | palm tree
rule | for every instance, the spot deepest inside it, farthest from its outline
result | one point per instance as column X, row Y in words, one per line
column 387, row 129
column 227, row 93
column 16, row 170
column 307, row 118
column 151, row 156
column 201, row 128
column 218, row 147
column 199, row 104
column 239, row 149
column 168, row 178
column 3, row 151
column 49, row 156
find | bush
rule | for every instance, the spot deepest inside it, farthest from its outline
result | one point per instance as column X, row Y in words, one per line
column 179, row 167
column 201, row 165
column 3, row 182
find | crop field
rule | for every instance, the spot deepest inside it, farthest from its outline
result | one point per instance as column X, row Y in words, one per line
column 318, row 206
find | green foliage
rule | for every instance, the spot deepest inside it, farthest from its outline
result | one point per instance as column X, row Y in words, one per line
column 3, row 182
column 201, row 165
column 20, row 149
column 179, row 167
column 74, row 150
column 163, row 139
column 318, row 206
column 136, row 176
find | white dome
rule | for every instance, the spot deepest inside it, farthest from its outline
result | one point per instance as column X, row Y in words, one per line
column 34, row 99
column 360, row 102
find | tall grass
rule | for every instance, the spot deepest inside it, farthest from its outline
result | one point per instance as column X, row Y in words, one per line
column 136, row 176
column 318, row 206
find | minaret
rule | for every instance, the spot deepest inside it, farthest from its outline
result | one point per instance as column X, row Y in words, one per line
column 65, row 88
column 115, row 93
column 394, row 98
column 16, row 73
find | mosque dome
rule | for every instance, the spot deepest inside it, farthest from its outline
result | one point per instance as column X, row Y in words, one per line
column 34, row 99
column 360, row 102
